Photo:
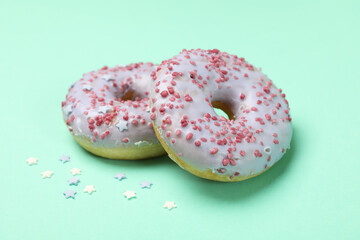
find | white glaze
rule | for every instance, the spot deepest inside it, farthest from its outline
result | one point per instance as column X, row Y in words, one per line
column 134, row 77
column 237, row 80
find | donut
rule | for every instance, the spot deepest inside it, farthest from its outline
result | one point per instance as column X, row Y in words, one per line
column 107, row 112
column 186, row 89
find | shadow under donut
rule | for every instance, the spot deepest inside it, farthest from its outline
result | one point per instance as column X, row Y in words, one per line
column 225, row 191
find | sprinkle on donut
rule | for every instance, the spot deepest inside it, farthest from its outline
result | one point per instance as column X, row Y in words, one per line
column 187, row 87
column 110, row 107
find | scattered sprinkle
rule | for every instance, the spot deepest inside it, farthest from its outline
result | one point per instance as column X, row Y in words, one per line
column 89, row 189
column 75, row 171
column 129, row 194
column 47, row 174
column 69, row 194
column 120, row 176
column 169, row 205
column 73, row 181
column 31, row 161
column 64, row 159
column 146, row 184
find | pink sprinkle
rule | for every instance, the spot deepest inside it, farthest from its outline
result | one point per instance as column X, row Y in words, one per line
column 266, row 89
column 225, row 162
column 242, row 96
column 164, row 93
column 242, row 153
column 171, row 90
column 134, row 122
column 214, row 150
column 125, row 140
column 275, row 141
column 188, row 98
column 197, row 143
column 189, row 136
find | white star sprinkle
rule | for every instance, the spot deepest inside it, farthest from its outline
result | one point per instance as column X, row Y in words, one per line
column 107, row 77
column 89, row 189
column 104, row 109
column 122, row 125
column 129, row 194
column 75, row 171
column 141, row 143
column 169, row 205
column 47, row 174
column 68, row 110
column 31, row 161
column 87, row 87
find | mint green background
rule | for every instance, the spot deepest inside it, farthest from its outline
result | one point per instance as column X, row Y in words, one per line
column 309, row 48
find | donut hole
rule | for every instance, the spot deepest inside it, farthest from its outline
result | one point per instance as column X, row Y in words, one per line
column 223, row 109
column 130, row 95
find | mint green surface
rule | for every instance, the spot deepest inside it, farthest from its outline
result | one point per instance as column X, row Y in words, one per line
column 309, row 48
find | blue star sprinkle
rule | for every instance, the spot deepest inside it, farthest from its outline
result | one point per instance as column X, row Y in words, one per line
column 120, row 176
column 69, row 194
column 64, row 158
column 73, row 181
column 146, row 184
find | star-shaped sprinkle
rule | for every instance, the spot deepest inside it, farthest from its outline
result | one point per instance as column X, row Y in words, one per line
column 129, row 194
column 31, row 161
column 87, row 87
column 75, row 171
column 141, row 143
column 120, row 176
column 122, row 125
column 47, row 174
column 169, row 205
column 69, row 194
column 68, row 110
column 64, row 158
column 146, row 184
column 104, row 109
column 107, row 77
column 89, row 189
column 73, row 181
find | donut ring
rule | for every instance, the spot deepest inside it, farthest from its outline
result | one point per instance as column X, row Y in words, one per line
column 185, row 90
column 107, row 112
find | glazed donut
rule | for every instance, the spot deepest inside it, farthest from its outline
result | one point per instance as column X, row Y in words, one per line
column 185, row 90
column 107, row 112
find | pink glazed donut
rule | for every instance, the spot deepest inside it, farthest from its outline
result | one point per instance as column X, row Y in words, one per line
column 187, row 87
column 107, row 112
